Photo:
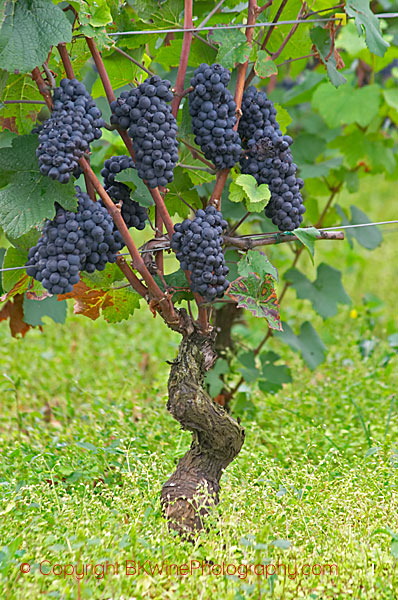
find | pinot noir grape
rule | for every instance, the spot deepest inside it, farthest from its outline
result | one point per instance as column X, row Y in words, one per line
column 74, row 123
column 144, row 111
column 198, row 247
column 213, row 112
column 73, row 242
column 134, row 214
column 269, row 159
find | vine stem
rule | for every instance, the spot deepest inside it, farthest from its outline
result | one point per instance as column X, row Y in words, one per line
column 279, row 238
column 164, row 302
column 159, row 202
column 136, row 62
column 182, row 69
column 252, row 73
column 42, row 87
column 222, row 175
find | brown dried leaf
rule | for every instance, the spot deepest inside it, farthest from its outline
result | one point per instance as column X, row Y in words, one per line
column 13, row 310
column 88, row 302
column 15, row 290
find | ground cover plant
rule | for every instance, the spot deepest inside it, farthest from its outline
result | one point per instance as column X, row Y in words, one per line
column 192, row 155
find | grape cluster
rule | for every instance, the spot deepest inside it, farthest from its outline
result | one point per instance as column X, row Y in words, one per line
column 74, row 123
column 134, row 214
column 198, row 247
column 213, row 112
column 269, row 159
column 144, row 112
column 73, row 242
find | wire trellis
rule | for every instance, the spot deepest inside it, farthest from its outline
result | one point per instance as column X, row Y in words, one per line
column 254, row 236
column 246, row 25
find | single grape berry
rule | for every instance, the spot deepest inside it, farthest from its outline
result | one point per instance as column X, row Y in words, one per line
column 74, row 123
column 268, row 158
column 198, row 247
column 133, row 213
column 213, row 112
column 144, row 111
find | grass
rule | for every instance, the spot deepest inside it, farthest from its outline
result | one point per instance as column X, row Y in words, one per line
column 86, row 443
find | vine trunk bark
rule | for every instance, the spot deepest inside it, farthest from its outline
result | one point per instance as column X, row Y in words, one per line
column 217, row 438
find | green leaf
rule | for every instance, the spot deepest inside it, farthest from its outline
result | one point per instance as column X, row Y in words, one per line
column 29, row 197
column 346, row 104
column 170, row 56
column 213, row 380
column 245, row 189
column 264, row 65
column 140, row 191
column 323, row 42
column 394, row 548
column 391, row 97
column 307, row 236
column 284, row 119
column 28, row 30
column 120, row 72
column 365, row 19
column 275, row 375
column 258, row 296
column 368, row 237
column 176, row 280
column 233, row 47
column 324, row 293
column 308, row 343
column 255, row 261
column 14, row 257
column 35, row 310
column 103, row 280
column 120, row 304
column 21, row 87
column 250, row 372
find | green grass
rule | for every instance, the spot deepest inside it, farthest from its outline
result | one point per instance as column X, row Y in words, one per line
column 86, row 443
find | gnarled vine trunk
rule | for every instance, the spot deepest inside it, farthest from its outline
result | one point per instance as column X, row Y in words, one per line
column 216, row 438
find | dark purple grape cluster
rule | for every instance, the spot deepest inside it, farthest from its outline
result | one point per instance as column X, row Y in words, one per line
column 134, row 214
column 144, row 111
column 213, row 112
column 269, row 159
column 198, row 247
column 73, row 242
column 74, row 123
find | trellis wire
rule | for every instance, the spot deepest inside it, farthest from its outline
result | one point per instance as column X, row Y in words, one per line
column 256, row 235
column 245, row 25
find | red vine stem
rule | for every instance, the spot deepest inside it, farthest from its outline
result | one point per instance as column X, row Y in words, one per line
column 182, row 69
column 66, row 60
column 252, row 73
column 159, row 202
column 131, row 277
column 222, row 175
column 167, row 308
column 42, row 87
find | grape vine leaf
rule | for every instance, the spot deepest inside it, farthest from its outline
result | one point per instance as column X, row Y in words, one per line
column 233, row 47
column 307, row 236
column 255, row 261
column 213, row 379
column 249, row 371
column 272, row 376
column 13, row 312
column 28, row 30
column 140, row 191
column 21, row 115
column 264, row 65
column 324, row 293
column 28, row 198
column 244, row 189
column 323, row 43
column 258, row 296
column 368, row 237
column 14, row 257
column 115, row 304
column 345, row 105
column 365, row 19
column 103, row 280
column 307, row 342
column 283, row 117
column 35, row 310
